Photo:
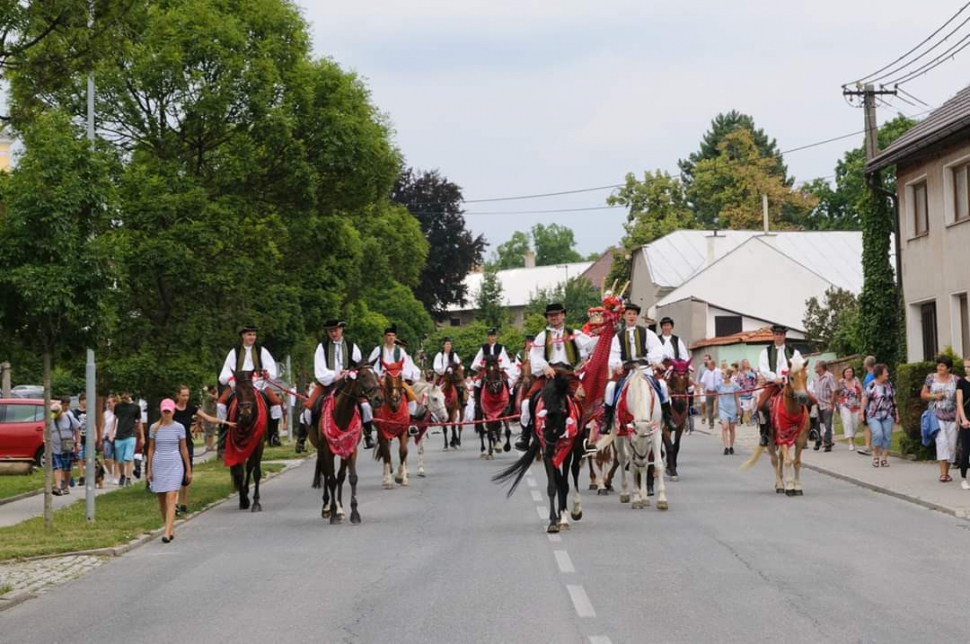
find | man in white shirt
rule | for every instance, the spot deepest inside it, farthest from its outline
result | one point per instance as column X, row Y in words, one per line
column 556, row 349
column 632, row 345
column 773, row 365
column 249, row 356
column 710, row 379
column 490, row 349
column 673, row 347
column 392, row 353
column 445, row 361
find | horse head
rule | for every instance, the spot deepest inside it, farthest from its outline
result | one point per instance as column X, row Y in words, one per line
column 679, row 377
column 245, row 398
column 796, row 388
column 436, row 403
column 368, row 385
column 642, row 404
column 393, row 384
column 493, row 375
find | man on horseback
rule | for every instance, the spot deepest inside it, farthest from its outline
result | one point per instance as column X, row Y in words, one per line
column 556, row 349
column 333, row 359
column 445, row 361
column 393, row 353
column 490, row 348
column 673, row 347
column 249, row 356
column 773, row 366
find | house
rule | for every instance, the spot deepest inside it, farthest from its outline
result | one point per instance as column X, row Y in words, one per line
column 933, row 210
column 747, row 345
column 724, row 283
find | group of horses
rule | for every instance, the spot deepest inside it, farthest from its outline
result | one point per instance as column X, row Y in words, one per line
column 642, row 445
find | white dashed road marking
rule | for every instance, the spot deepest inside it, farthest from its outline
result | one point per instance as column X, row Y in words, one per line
column 565, row 563
column 541, row 511
column 531, row 481
column 599, row 639
column 537, row 496
column 554, row 538
column 580, row 601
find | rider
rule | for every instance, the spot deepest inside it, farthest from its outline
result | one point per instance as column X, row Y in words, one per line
column 445, row 361
column 773, row 365
column 334, row 358
column 520, row 355
column 674, row 348
column 391, row 352
column 556, row 349
column 249, row 356
column 632, row 345
column 490, row 348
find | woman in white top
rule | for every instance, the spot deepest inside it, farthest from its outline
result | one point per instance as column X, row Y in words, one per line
column 108, row 439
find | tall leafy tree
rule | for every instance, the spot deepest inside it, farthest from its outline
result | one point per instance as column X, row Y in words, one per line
column 721, row 127
column 488, row 300
column 879, row 305
column 511, row 254
column 554, row 244
column 54, row 266
column 833, row 321
column 577, row 294
column 452, row 249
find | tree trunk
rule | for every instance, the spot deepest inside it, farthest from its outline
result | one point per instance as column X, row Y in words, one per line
column 48, row 454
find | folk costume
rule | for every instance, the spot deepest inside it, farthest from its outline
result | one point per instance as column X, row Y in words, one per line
column 253, row 358
column 393, row 354
column 563, row 349
column 773, row 364
column 632, row 346
column 443, row 364
column 490, row 349
column 673, row 347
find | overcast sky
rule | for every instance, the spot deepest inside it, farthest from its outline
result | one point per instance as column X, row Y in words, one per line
column 510, row 98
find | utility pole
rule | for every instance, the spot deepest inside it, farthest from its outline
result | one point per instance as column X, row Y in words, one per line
column 869, row 94
column 91, row 437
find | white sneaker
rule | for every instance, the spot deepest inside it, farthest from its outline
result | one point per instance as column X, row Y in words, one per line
column 965, row 484
column 851, row 447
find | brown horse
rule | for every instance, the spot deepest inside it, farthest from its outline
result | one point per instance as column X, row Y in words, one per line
column 788, row 431
column 494, row 403
column 453, row 386
column 393, row 421
column 337, row 433
column 244, row 441
column 678, row 382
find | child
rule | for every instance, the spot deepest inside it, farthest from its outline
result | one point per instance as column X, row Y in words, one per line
column 728, row 406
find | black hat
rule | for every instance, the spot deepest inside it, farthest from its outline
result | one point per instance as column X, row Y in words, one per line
column 779, row 328
column 529, row 337
column 666, row 320
column 447, row 338
column 632, row 306
column 391, row 329
column 492, row 331
column 333, row 323
column 555, row 307
column 246, row 328
column 401, row 343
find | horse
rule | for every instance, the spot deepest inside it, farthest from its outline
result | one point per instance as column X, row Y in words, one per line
column 638, row 439
column 433, row 398
column 249, row 411
column 678, row 382
column 453, row 386
column 494, row 403
column 556, row 424
column 337, row 433
column 393, row 421
column 788, row 428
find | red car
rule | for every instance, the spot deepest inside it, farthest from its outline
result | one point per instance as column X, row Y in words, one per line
column 22, row 429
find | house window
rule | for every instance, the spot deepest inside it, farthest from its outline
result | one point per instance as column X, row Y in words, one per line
column 455, row 321
column 726, row 325
column 964, row 325
column 961, row 192
column 921, row 219
column 928, row 323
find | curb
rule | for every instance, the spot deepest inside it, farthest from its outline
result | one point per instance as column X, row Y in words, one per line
column 13, row 599
column 21, row 496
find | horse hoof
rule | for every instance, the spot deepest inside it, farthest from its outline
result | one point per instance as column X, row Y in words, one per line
column 674, row 477
column 354, row 518
column 635, row 505
column 335, row 520
column 609, row 487
column 552, row 529
column 592, row 486
column 421, row 472
column 624, row 498
column 789, row 492
column 483, row 455
column 602, row 492
column 325, row 513
column 398, row 480
column 662, row 505
column 799, row 492
column 445, row 449
column 243, row 504
column 779, row 490
column 506, row 448
column 388, row 486
column 257, row 507
column 564, row 526
column 576, row 516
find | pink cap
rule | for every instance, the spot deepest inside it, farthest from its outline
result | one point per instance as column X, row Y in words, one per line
column 167, row 405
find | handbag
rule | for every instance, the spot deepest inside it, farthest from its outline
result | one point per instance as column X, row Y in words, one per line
column 67, row 444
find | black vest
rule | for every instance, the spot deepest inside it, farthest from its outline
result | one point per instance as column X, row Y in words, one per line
column 675, row 341
column 494, row 350
column 640, row 338
column 572, row 349
column 346, row 349
column 257, row 353
column 773, row 356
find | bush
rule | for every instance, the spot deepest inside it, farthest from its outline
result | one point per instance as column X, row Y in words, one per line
column 909, row 383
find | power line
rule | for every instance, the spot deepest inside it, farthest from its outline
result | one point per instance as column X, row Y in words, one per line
column 818, row 143
column 547, row 194
column 540, row 212
column 913, row 97
column 928, row 38
column 933, row 64
column 903, row 67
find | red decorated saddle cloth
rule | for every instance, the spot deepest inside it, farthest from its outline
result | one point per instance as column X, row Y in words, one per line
column 344, row 441
column 451, row 395
column 242, row 441
column 787, row 426
column 494, row 405
column 564, row 444
column 392, row 424
column 623, row 418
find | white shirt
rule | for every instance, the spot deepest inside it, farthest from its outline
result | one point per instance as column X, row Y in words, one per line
column 654, row 349
column 781, row 364
column 441, row 362
column 711, row 378
column 537, row 355
column 109, row 425
column 503, row 361
column 668, row 347
column 324, row 375
column 229, row 366
column 408, row 370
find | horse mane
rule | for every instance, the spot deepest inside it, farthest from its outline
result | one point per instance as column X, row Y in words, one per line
column 638, row 397
column 797, row 364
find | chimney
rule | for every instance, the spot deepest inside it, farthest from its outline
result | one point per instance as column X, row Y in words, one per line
column 712, row 246
column 764, row 211
column 530, row 259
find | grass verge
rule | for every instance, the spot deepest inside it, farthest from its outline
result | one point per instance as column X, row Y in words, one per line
column 285, row 452
column 860, row 437
column 121, row 516
column 14, row 484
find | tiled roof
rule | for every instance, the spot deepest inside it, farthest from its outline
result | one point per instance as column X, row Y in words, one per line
column 762, row 335
column 947, row 120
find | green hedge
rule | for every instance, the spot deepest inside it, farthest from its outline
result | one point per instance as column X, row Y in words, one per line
column 909, row 383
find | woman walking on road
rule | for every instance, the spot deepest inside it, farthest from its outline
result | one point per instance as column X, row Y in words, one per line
column 728, row 406
column 168, row 464
column 879, row 406
column 849, row 397
column 185, row 415
column 940, row 389
column 963, row 409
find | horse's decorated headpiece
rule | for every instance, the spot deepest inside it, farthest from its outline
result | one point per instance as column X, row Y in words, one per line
column 680, row 366
column 393, row 369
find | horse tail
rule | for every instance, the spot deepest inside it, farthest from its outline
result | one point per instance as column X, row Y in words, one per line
column 517, row 470
column 748, row 464
column 317, row 472
column 605, row 441
column 382, row 451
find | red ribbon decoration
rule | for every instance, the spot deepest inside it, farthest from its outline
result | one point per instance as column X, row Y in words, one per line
column 494, row 405
column 242, row 441
column 392, row 423
column 787, row 426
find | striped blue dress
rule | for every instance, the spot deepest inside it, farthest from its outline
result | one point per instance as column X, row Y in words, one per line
column 167, row 467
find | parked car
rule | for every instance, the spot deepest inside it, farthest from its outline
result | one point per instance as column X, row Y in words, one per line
column 22, row 429
column 27, row 391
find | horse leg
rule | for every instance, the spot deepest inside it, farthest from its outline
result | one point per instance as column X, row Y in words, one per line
column 614, row 463
column 562, row 487
column 420, row 446
column 776, row 465
column 385, row 453
column 325, row 458
column 240, row 483
column 507, row 447
column 623, row 457
column 444, row 429
column 354, row 514
column 592, row 474
column 552, row 493
column 257, row 458
column 577, row 510
column 402, row 470
column 787, row 452
column 481, row 436
column 673, row 452
column 341, row 477
column 332, row 488
column 661, row 488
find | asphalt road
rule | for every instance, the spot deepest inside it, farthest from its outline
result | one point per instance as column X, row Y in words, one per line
column 449, row 559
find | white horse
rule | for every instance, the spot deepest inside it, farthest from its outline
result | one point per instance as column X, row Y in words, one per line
column 646, row 438
column 434, row 399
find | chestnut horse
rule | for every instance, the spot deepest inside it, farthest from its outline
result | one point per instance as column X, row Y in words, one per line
column 788, row 431
column 678, row 382
column 453, row 386
column 244, row 441
column 494, row 405
column 393, row 421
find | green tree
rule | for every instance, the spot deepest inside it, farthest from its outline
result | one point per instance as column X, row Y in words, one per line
column 726, row 191
column 724, row 125
column 833, row 323
column 576, row 294
column 488, row 300
column 54, row 266
column 879, row 328
column 554, row 244
column 511, row 254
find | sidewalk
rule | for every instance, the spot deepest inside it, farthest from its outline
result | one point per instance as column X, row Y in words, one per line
column 14, row 513
column 911, row 481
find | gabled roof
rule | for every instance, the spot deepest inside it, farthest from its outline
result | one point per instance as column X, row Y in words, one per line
column 520, row 284
column 836, row 256
column 761, row 336
column 950, row 119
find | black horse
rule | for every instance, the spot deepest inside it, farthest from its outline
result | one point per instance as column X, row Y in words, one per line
column 249, row 410
column 494, row 394
column 556, row 414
